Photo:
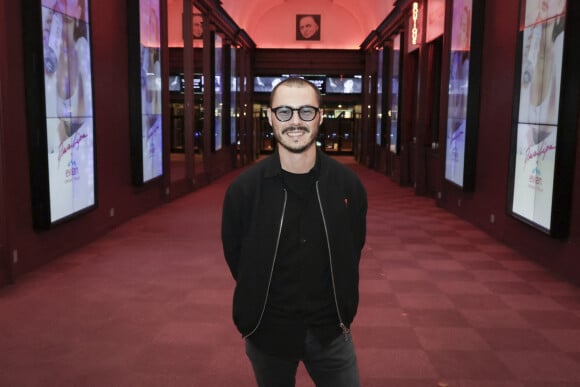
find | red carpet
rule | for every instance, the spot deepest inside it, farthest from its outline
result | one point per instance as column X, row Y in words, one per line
column 442, row 304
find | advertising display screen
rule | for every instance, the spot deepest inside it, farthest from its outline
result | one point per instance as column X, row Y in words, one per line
column 151, row 117
column 394, row 111
column 458, row 91
column 539, row 105
column 344, row 85
column 175, row 83
column 234, row 90
column 317, row 80
column 218, row 92
column 379, row 123
column 265, row 84
column 197, row 84
column 68, row 107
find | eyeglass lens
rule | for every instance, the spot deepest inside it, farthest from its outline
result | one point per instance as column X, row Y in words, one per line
column 306, row 113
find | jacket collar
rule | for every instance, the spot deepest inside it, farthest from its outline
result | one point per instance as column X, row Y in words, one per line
column 274, row 167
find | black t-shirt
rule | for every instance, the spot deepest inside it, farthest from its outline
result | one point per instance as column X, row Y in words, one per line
column 301, row 296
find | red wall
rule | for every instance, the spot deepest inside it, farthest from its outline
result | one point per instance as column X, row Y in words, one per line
column 114, row 189
column 489, row 197
column 3, row 222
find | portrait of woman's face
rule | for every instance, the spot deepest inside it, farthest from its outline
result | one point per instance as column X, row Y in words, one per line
column 307, row 27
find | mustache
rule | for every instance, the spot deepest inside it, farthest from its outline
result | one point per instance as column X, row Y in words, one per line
column 294, row 128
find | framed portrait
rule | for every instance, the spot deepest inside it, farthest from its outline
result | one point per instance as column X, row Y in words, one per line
column 145, row 90
column 197, row 25
column 308, row 27
column 545, row 107
column 59, row 102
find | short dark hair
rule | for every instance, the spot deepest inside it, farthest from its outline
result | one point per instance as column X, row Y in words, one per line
column 297, row 82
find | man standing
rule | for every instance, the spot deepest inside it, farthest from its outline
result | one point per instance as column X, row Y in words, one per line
column 293, row 227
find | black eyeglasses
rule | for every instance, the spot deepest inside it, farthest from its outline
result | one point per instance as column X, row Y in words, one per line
column 306, row 113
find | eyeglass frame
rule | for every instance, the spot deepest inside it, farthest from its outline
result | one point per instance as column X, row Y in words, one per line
column 298, row 109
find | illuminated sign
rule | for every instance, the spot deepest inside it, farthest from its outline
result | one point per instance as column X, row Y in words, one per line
column 414, row 29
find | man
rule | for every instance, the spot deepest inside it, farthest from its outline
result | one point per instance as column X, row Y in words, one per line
column 308, row 28
column 293, row 227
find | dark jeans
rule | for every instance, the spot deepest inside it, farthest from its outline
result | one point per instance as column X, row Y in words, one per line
column 330, row 366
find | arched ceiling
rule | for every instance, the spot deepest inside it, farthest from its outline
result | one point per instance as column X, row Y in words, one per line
column 272, row 23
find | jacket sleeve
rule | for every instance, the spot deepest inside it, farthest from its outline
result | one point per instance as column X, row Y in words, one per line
column 361, row 219
column 231, row 230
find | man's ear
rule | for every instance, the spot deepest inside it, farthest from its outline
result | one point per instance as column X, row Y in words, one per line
column 269, row 114
column 321, row 114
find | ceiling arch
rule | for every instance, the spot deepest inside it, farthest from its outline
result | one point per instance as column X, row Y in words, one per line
column 271, row 23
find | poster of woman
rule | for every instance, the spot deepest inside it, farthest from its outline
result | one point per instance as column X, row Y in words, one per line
column 69, row 106
column 537, row 128
column 151, row 126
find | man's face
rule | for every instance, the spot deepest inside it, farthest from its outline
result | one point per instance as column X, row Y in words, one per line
column 197, row 26
column 308, row 27
column 295, row 135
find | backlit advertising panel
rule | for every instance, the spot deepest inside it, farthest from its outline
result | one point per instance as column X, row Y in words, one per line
column 539, row 105
column 68, row 103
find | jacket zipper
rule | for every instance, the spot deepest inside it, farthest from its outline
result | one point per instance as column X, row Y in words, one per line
column 272, row 268
column 343, row 328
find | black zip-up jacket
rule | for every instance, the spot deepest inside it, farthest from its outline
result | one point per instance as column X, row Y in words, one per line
column 252, row 218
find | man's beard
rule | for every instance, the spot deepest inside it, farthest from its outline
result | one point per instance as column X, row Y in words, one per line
column 279, row 136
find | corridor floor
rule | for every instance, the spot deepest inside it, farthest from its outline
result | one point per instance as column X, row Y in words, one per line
column 149, row 304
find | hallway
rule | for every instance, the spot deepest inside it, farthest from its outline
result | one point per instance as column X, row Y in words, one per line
column 149, row 304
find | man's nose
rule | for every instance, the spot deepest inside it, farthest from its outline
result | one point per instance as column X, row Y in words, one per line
column 296, row 117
